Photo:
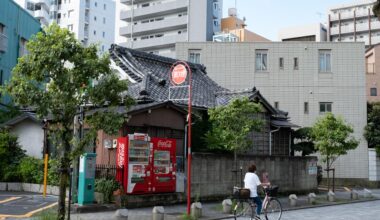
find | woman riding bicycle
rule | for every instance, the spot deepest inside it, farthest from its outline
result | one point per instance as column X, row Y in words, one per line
column 251, row 181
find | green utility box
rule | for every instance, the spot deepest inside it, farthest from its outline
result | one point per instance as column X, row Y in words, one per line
column 86, row 186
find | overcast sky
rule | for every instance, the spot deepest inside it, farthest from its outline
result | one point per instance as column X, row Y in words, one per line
column 266, row 17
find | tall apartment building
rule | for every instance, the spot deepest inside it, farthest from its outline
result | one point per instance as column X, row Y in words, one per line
column 354, row 22
column 307, row 79
column 156, row 25
column 92, row 21
column 310, row 32
column 16, row 28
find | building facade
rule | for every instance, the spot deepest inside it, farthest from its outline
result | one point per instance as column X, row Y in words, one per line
column 92, row 21
column 17, row 26
column 372, row 57
column 305, row 78
column 310, row 32
column 354, row 22
column 155, row 26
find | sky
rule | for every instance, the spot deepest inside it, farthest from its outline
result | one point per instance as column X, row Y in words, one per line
column 267, row 17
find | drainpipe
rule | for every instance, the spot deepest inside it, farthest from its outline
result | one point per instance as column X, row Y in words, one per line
column 270, row 140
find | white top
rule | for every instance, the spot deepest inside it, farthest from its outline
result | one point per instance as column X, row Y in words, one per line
column 251, row 181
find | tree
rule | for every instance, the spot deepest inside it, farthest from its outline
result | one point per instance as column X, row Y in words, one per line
column 302, row 141
column 376, row 9
column 55, row 79
column 372, row 130
column 332, row 138
column 10, row 156
column 231, row 124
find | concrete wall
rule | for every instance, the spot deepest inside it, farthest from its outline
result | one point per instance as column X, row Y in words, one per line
column 317, row 30
column 212, row 176
column 232, row 65
column 374, row 165
column 373, row 73
column 30, row 136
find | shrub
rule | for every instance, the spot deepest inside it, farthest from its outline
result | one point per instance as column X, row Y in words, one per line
column 107, row 187
column 10, row 156
column 53, row 172
column 31, row 170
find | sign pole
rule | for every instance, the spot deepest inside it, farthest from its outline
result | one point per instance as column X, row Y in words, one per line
column 189, row 149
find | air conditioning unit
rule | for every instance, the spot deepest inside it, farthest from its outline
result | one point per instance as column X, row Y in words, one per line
column 114, row 143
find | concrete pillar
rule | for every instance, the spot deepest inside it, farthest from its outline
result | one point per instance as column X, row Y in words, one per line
column 367, row 193
column 196, row 210
column 311, row 198
column 227, row 206
column 331, row 196
column 158, row 213
column 354, row 195
column 121, row 214
column 293, row 200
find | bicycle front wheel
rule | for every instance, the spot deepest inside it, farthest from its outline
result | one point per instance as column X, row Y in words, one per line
column 273, row 210
column 244, row 210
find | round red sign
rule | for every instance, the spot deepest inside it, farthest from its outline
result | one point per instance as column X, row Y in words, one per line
column 179, row 74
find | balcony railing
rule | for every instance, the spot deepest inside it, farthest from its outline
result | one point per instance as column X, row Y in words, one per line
column 159, row 42
column 3, row 43
column 370, row 68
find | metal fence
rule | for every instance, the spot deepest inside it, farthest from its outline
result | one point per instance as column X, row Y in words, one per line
column 108, row 171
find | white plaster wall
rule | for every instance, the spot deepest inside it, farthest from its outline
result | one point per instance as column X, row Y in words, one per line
column 232, row 65
column 30, row 137
column 302, row 31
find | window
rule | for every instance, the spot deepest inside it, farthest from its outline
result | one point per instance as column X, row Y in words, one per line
column 22, row 47
column 104, row 34
column 103, row 48
column 96, row 4
column 306, row 108
column 104, row 20
column 70, row 27
column 281, row 63
column 1, row 77
column 94, row 18
column 324, row 61
column 325, row 107
column 70, row 13
column 94, row 32
column 104, row 6
column 261, row 60
column 276, row 105
column 373, row 91
column 195, row 56
column 295, row 64
column 145, row 5
column 2, row 28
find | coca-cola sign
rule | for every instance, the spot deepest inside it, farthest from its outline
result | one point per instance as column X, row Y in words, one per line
column 164, row 143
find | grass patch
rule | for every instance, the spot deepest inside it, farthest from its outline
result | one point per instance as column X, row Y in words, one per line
column 187, row 217
column 218, row 207
column 48, row 214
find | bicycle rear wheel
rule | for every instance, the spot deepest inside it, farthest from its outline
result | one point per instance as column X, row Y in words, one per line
column 243, row 209
column 273, row 210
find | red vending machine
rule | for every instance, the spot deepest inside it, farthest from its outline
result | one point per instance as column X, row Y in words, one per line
column 164, row 165
column 133, row 153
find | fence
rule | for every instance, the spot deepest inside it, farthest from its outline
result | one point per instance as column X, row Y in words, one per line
column 108, row 171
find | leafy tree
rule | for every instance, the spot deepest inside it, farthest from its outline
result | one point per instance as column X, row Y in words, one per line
column 372, row 130
column 332, row 138
column 53, row 78
column 376, row 9
column 231, row 124
column 302, row 141
column 10, row 156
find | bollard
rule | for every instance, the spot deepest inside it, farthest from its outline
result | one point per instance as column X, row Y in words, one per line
column 227, row 206
column 158, row 213
column 121, row 214
column 311, row 198
column 367, row 193
column 196, row 210
column 293, row 200
column 354, row 195
column 331, row 196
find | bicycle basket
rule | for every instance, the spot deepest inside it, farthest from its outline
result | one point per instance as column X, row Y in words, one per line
column 241, row 193
column 272, row 191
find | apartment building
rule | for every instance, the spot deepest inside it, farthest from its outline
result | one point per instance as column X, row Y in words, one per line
column 307, row 79
column 92, row 21
column 156, row 25
column 372, row 57
column 354, row 22
column 14, row 34
column 310, row 32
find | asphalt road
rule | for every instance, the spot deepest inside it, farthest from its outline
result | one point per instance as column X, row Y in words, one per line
column 23, row 205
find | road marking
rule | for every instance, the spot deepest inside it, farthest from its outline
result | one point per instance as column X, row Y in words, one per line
column 29, row 214
column 9, row 199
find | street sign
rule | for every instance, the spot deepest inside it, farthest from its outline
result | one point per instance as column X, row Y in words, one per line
column 179, row 74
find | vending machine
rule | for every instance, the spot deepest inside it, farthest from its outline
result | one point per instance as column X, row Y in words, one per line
column 133, row 153
column 149, row 164
column 164, row 165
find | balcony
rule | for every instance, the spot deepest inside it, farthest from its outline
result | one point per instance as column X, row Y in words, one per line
column 375, row 25
column 53, row 8
column 157, row 43
column 334, row 31
column 87, row 6
column 42, row 2
column 129, row 2
column 154, row 10
column 3, row 43
column 41, row 14
column 347, row 29
column 154, row 27
column 362, row 27
column 361, row 13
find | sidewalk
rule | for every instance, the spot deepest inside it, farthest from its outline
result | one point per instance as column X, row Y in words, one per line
column 214, row 210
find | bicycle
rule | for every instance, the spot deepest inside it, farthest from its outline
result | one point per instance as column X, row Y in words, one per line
column 245, row 207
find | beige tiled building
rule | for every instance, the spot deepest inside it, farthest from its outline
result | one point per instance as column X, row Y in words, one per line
column 372, row 57
column 305, row 78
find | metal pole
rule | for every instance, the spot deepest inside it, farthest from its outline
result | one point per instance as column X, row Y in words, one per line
column 70, row 183
column 46, row 158
column 333, row 179
column 189, row 148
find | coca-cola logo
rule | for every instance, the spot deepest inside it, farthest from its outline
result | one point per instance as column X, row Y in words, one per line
column 163, row 143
